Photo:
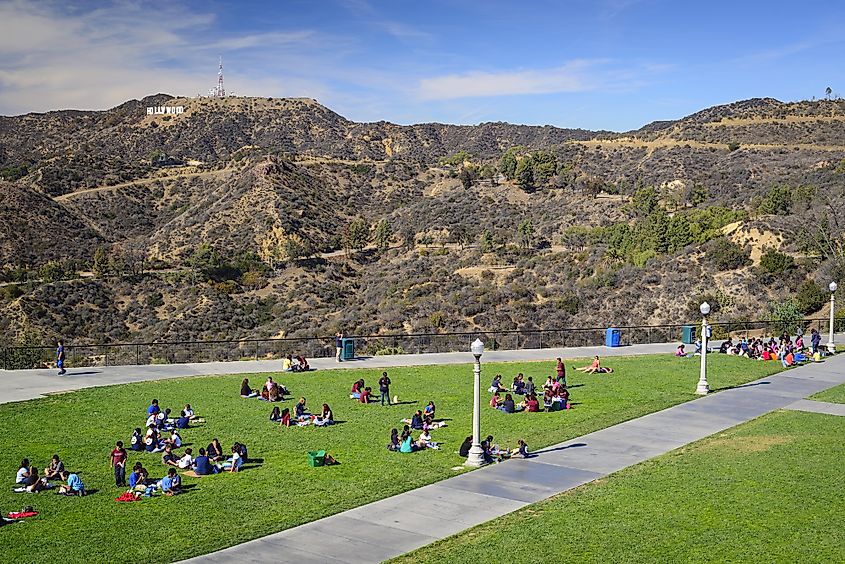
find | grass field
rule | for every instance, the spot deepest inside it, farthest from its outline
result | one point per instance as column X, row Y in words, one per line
column 281, row 490
column 766, row 491
column 832, row 395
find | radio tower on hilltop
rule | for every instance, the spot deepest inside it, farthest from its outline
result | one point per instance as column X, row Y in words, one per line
column 220, row 92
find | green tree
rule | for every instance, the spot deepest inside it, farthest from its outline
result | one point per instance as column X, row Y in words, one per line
column 508, row 163
column 488, row 172
column 775, row 263
column 728, row 256
column 777, row 201
column 526, row 233
column 827, row 92
column 645, row 201
column 355, row 236
column 383, row 234
column 697, row 195
column 100, row 266
column 544, row 167
column 810, row 297
column 680, row 234
column 525, row 174
column 51, row 271
column 786, row 314
column 466, row 177
column 487, row 242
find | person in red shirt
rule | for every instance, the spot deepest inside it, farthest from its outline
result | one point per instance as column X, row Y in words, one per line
column 531, row 404
column 118, row 461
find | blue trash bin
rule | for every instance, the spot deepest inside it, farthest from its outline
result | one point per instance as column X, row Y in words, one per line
column 612, row 337
column 347, row 349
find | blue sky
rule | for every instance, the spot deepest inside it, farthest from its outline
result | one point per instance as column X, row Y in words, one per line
column 601, row 64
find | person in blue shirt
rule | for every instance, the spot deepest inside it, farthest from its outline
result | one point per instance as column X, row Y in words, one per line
column 172, row 483
column 74, row 484
column 138, row 477
column 60, row 357
column 153, row 409
column 202, row 465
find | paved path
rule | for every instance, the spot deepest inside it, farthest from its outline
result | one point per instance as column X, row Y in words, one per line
column 19, row 385
column 401, row 523
column 818, row 407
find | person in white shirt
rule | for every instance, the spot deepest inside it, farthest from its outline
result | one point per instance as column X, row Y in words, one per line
column 187, row 460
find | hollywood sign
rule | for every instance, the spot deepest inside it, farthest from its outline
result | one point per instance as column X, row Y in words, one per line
column 161, row 110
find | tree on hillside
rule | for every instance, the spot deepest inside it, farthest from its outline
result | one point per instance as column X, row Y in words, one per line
column 355, row 236
column 100, row 266
column 697, row 195
column 827, row 92
column 645, row 201
column 488, row 172
column 487, row 242
column 525, row 174
column 382, row 235
column 507, row 165
column 544, row 166
column 466, row 177
column 526, row 233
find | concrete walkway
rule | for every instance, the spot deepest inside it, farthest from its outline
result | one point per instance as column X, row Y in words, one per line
column 396, row 525
column 813, row 406
column 20, row 385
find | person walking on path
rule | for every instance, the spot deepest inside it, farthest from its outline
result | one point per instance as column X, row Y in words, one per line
column 60, row 357
column 384, row 388
column 338, row 344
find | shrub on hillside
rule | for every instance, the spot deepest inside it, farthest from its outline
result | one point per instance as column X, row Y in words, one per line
column 727, row 255
column 810, row 297
column 775, row 263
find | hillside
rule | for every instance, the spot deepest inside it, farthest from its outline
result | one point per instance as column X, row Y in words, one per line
column 228, row 220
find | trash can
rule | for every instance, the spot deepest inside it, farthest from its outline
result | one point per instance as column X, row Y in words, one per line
column 611, row 337
column 689, row 334
column 347, row 349
column 316, row 458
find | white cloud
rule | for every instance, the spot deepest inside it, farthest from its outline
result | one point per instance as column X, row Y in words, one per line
column 571, row 77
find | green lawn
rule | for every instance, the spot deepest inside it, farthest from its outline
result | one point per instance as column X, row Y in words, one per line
column 832, row 395
column 282, row 491
column 766, row 491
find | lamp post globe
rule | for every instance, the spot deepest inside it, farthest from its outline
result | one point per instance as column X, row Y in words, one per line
column 831, row 345
column 476, row 453
column 703, row 387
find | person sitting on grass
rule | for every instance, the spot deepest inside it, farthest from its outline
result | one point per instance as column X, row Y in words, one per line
column 496, row 384
column 246, row 391
column 416, row 420
column 489, row 449
column 284, row 419
column 530, row 389
column 680, row 352
column 429, row 409
column 23, row 471
column 74, row 485
column 175, row 440
column 424, row 441
column 547, row 385
column 136, row 441
column 394, row 444
column 357, row 388
column 495, row 401
column 595, row 368
column 214, row 451
column 183, row 422
column 276, row 414
column 563, row 398
column 203, row 465
column 237, row 460
column 407, row 445
column 548, row 400
column 152, row 441
column 303, row 364
column 518, row 386
column 531, row 405
column 521, row 450
column 326, row 417
column 187, row 460
column 32, row 483
column 405, row 432
column 300, row 411
column 508, row 405
column 167, row 457
column 287, row 364
column 138, row 477
column 465, row 446
column 154, row 408
column 171, row 484
column 188, row 412
column 365, row 395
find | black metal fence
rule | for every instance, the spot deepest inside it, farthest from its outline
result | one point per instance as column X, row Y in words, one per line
column 116, row 354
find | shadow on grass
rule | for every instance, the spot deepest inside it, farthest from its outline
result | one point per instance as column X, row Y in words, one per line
column 546, row 450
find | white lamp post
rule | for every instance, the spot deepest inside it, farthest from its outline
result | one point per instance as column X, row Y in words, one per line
column 831, row 346
column 703, row 388
column 476, row 453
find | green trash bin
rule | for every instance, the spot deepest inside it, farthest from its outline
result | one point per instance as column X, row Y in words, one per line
column 316, row 458
column 689, row 333
column 347, row 349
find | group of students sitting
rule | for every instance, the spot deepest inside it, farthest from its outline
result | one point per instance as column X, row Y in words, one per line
column 555, row 393
column 423, row 421
column 491, row 452
column 784, row 349
column 297, row 365
column 27, row 478
column 301, row 416
column 271, row 391
column 159, row 422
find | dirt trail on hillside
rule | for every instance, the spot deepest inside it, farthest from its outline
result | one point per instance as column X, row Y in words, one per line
column 139, row 182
